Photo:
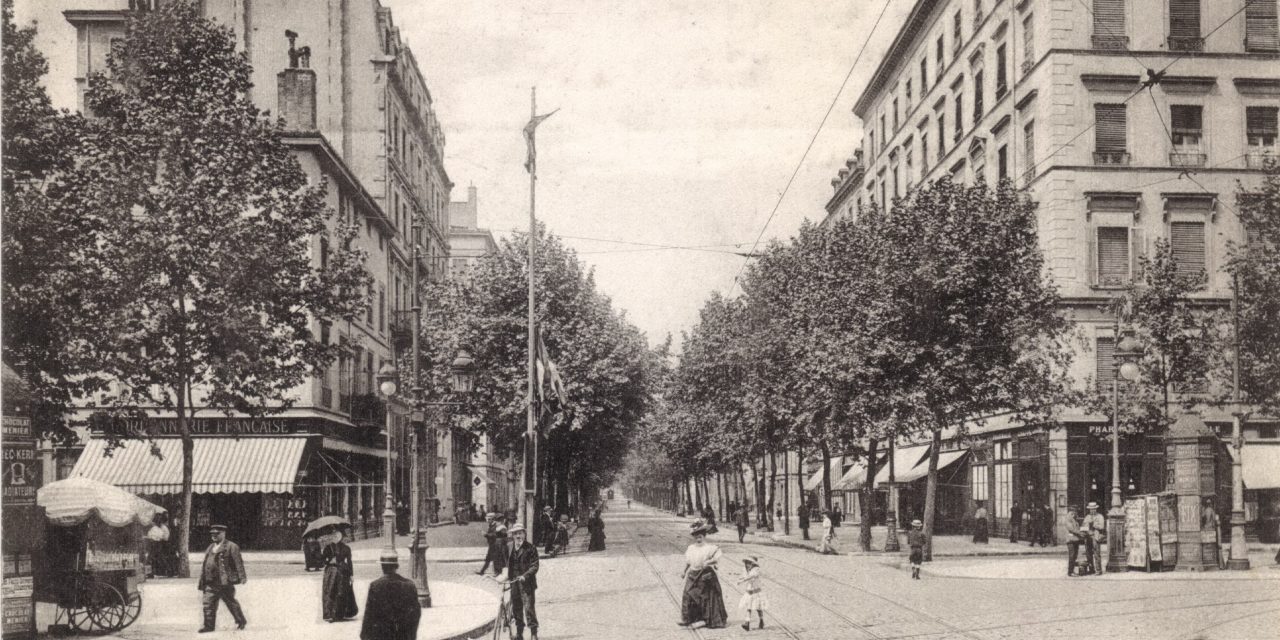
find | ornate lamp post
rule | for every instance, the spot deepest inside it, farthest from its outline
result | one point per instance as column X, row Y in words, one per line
column 1239, row 558
column 1127, row 351
column 462, row 381
column 387, row 384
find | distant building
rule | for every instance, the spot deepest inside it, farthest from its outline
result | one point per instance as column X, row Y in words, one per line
column 1051, row 96
column 361, row 118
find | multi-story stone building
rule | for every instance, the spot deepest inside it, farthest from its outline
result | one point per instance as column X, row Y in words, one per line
column 1059, row 97
column 361, row 119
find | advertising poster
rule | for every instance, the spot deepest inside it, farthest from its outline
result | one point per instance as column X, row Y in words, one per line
column 1154, row 552
column 1135, row 532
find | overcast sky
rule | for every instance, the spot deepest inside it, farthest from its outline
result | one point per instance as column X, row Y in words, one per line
column 680, row 122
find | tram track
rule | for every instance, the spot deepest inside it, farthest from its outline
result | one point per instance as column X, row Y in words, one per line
column 697, row 632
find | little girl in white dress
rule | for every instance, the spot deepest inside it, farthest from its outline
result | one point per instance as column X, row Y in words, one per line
column 753, row 598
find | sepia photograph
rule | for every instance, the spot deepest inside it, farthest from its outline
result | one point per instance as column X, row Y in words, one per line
column 640, row 319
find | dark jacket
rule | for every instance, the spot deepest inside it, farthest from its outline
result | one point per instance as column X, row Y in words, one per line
column 804, row 517
column 523, row 563
column 391, row 610
column 222, row 569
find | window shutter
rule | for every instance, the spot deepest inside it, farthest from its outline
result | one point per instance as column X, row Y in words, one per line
column 1262, row 31
column 1261, row 123
column 1113, row 255
column 1186, row 239
column 1137, row 249
column 1109, row 130
column 1105, row 372
column 1184, row 18
column 1108, row 18
column 1187, row 119
column 977, row 96
column 1091, row 267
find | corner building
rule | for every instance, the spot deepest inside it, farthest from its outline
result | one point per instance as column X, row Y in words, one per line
column 1050, row 94
column 360, row 117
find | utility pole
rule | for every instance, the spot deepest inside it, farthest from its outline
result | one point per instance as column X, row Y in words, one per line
column 531, row 433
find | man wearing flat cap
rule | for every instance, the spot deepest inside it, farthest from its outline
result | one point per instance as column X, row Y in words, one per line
column 222, row 570
column 522, row 572
column 391, row 611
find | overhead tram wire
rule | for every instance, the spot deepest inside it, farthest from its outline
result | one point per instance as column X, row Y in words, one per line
column 812, row 139
column 1153, row 78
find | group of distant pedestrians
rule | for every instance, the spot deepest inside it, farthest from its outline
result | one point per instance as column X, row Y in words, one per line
column 1036, row 522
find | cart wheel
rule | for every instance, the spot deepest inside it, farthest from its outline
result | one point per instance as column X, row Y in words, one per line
column 105, row 607
column 132, row 609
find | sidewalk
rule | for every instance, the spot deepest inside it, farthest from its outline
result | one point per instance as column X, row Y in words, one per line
column 363, row 551
column 1262, row 567
column 847, row 542
column 289, row 607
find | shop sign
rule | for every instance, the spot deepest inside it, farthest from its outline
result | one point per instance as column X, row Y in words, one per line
column 21, row 473
column 17, row 613
column 217, row 426
column 17, row 427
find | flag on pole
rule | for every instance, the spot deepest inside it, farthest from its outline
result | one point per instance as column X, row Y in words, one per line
column 551, row 394
column 530, row 164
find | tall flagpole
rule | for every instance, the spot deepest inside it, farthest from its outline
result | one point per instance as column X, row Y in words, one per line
column 530, row 436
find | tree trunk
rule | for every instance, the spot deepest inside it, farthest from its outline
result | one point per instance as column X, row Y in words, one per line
column 688, row 497
column 786, row 495
column 741, row 488
column 188, row 450
column 755, row 491
column 773, row 488
column 931, row 493
column 697, row 495
column 826, row 477
column 868, row 494
column 800, row 476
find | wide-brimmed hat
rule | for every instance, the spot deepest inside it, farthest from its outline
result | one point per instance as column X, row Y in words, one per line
column 546, row 508
column 699, row 530
column 917, row 523
column 516, row 528
column 1091, row 505
column 754, row 560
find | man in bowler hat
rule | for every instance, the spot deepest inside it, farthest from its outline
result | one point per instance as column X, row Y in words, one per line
column 223, row 569
column 522, row 571
column 391, row 611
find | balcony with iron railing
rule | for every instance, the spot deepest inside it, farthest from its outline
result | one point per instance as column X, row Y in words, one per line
column 1110, row 43
column 1186, row 43
column 1119, row 158
column 1187, row 159
column 1258, row 158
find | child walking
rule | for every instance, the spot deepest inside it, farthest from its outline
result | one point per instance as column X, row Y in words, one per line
column 915, row 540
column 753, row 599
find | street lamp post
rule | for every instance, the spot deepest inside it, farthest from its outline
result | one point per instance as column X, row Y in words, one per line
column 387, row 376
column 1126, row 351
column 1239, row 559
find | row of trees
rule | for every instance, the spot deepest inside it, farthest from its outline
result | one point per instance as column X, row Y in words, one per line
column 904, row 325
column 608, row 369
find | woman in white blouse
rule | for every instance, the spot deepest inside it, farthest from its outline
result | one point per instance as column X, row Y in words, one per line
column 703, row 600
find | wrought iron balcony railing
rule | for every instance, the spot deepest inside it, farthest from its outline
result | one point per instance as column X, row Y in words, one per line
column 1111, row 157
column 1186, row 43
column 1187, row 159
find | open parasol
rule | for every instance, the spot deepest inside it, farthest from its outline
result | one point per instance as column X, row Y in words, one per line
column 72, row 501
column 324, row 522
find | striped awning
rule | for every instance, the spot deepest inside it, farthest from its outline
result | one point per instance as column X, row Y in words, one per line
column 219, row 465
column 815, row 480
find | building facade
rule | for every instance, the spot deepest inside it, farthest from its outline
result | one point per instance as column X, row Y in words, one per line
column 1055, row 95
column 360, row 119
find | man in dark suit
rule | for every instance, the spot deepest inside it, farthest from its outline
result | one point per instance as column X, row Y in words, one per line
column 549, row 528
column 522, row 571
column 391, row 611
column 223, row 569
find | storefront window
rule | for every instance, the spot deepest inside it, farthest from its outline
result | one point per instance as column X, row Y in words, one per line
column 978, row 482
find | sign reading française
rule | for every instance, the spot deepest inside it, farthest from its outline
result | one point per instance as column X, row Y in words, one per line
column 218, row 426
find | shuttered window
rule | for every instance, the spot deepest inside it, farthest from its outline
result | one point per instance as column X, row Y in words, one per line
column 1108, row 24
column 1184, row 18
column 1186, row 240
column 1113, row 255
column 977, row 96
column 924, row 77
column 940, row 60
column 942, row 135
column 1260, row 125
column 1002, row 161
column 1029, row 145
column 1109, row 130
column 924, row 151
column 1262, row 31
column 955, row 36
column 1002, row 72
column 1187, row 124
column 1028, row 42
column 959, row 116
column 1105, row 363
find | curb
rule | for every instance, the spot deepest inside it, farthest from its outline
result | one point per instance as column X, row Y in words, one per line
column 477, row 632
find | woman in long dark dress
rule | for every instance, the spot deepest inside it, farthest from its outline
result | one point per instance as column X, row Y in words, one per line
column 595, row 525
column 980, row 524
column 703, row 600
column 338, row 598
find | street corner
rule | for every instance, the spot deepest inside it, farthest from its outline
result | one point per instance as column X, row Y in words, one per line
column 289, row 607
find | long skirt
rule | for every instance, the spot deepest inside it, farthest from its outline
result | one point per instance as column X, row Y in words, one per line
column 980, row 530
column 703, row 599
column 338, row 599
column 597, row 541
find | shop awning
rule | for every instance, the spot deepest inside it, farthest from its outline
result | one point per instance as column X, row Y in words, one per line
column 904, row 460
column 1261, row 466
column 815, row 480
column 854, row 478
column 945, row 459
column 219, row 465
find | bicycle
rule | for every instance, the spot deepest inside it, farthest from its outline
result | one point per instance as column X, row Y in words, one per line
column 504, row 624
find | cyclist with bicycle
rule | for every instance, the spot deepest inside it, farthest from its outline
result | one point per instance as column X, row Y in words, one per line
column 522, row 572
